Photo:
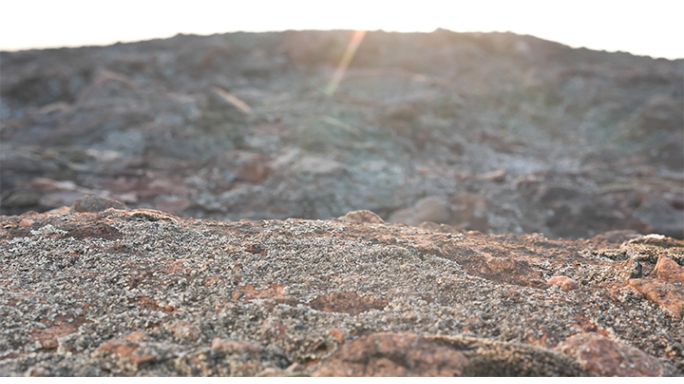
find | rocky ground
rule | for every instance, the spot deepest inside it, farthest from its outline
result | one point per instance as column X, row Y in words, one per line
column 492, row 132
column 143, row 292
column 198, row 206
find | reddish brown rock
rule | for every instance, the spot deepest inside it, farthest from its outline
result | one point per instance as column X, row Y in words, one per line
column 387, row 354
column 235, row 346
column 362, row 217
column 337, row 334
column 507, row 270
column 566, row 283
column 131, row 355
column 275, row 292
column 406, row 354
column 666, row 295
column 347, row 302
column 668, row 270
column 53, row 330
column 604, row 357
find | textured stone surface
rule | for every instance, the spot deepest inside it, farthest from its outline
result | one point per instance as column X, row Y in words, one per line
column 394, row 355
column 401, row 354
column 91, row 203
column 668, row 296
column 451, row 171
column 142, row 292
column 462, row 129
column 362, row 217
column 667, row 269
column 603, row 357
column 566, row 283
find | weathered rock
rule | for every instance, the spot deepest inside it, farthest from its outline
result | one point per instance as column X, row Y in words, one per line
column 616, row 237
column 669, row 270
column 394, row 355
column 93, row 203
column 668, row 296
column 566, row 283
column 402, row 354
column 362, row 217
column 230, row 127
column 648, row 248
column 601, row 356
column 142, row 292
column 432, row 209
column 131, row 356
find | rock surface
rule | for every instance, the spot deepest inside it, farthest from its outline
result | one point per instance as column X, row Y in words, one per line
column 143, row 292
column 413, row 187
column 495, row 132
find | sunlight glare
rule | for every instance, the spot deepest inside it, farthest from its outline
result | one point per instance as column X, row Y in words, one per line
column 652, row 28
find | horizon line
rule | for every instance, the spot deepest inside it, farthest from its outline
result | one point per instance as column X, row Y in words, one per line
column 167, row 37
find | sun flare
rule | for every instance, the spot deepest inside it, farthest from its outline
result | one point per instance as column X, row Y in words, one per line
column 605, row 25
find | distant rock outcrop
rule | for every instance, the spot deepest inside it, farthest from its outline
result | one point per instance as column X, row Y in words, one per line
column 513, row 134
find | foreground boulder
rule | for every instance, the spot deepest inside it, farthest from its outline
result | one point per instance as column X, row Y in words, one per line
column 142, row 292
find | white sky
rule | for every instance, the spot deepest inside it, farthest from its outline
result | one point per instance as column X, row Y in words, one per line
column 653, row 27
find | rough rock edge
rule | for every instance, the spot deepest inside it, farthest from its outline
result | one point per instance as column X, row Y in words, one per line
column 152, row 294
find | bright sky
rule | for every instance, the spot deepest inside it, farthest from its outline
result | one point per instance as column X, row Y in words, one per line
column 653, row 27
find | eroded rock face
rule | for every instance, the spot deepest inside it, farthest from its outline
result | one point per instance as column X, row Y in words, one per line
column 603, row 357
column 386, row 354
column 142, row 292
column 462, row 129
column 401, row 354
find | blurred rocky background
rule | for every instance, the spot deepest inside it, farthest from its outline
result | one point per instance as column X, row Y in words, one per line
column 492, row 132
